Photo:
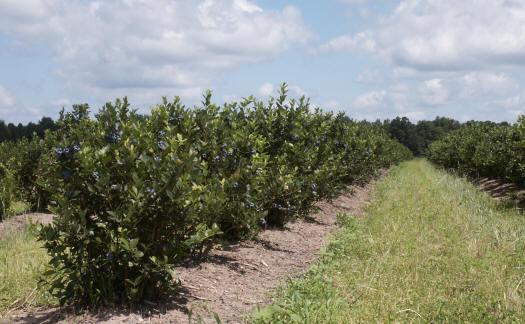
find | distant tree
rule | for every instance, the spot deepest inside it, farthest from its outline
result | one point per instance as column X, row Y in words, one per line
column 418, row 137
column 10, row 132
column 405, row 132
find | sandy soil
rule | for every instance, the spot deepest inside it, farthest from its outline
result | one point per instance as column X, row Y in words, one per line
column 17, row 223
column 232, row 281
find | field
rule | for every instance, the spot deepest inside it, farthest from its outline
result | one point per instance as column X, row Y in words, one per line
column 136, row 196
column 430, row 247
column 199, row 212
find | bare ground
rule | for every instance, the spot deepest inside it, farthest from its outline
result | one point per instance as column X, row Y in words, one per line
column 232, row 281
column 502, row 191
column 17, row 223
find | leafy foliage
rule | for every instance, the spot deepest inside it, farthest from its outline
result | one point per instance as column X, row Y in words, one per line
column 484, row 149
column 418, row 136
column 7, row 187
column 25, row 166
column 136, row 194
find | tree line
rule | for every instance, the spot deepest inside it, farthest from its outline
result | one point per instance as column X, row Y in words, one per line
column 12, row 132
column 417, row 137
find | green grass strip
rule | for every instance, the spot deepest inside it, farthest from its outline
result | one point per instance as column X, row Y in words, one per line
column 431, row 248
column 22, row 261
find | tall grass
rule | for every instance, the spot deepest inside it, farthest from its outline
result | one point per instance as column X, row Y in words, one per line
column 431, row 248
column 22, row 261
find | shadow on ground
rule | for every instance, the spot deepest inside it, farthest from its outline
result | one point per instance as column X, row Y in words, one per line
column 509, row 195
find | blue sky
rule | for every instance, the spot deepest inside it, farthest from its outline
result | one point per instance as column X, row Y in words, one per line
column 370, row 58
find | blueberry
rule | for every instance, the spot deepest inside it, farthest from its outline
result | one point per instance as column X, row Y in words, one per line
column 217, row 158
column 161, row 144
column 204, row 156
column 58, row 151
column 66, row 174
column 235, row 185
column 96, row 174
column 253, row 151
column 109, row 256
column 120, row 163
column 313, row 186
column 262, row 221
column 162, row 133
column 152, row 192
column 76, row 148
column 113, row 138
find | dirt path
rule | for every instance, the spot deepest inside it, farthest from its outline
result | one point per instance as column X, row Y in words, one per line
column 232, row 281
column 17, row 223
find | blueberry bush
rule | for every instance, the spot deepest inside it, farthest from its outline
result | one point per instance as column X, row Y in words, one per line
column 7, row 188
column 135, row 195
column 484, row 149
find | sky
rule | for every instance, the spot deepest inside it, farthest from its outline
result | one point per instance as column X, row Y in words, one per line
column 372, row 59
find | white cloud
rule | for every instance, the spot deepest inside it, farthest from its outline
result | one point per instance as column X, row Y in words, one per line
column 272, row 90
column 476, row 84
column 331, row 105
column 414, row 115
column 516, row 113
column 434, row 92
column 455, row 35
column 298, row 92
column 370, row 77
column 446, row 35
column 129, row 46
column 372, row 99
column 61, row 102
column 7, row 100
column 361, row 41
column 229, row 98
column 446, row 57
column 268, row 89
